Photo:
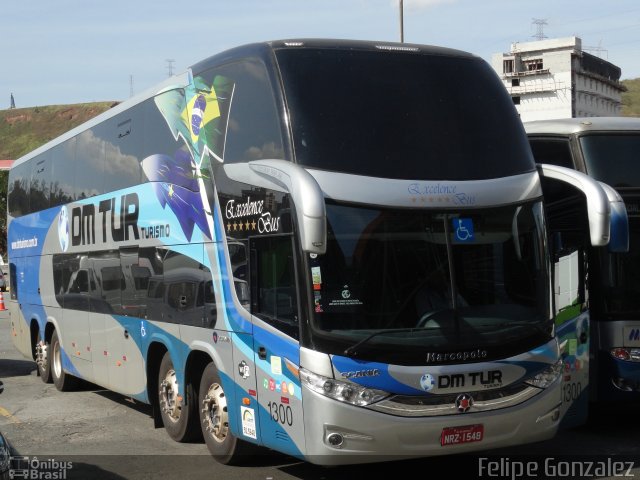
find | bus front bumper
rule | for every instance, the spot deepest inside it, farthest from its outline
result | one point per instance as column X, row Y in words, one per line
column 337, row 433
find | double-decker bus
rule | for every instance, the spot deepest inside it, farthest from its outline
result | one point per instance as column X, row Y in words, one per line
column 606, row 149
column 334, row 249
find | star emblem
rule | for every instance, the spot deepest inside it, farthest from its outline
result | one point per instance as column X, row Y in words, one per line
column 464, row 402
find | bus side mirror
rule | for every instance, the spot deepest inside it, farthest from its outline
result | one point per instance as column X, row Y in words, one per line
column 619, row 231
column 597, row 201
column 307, row 197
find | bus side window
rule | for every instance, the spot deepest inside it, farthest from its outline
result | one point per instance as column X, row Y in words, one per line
column 272, row 283
column 250, row 126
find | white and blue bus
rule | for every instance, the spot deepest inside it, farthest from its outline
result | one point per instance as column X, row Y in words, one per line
column 605, row 148
column 333, row 249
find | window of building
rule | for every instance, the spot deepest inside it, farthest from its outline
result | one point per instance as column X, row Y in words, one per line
column 516, row 100
column 533, row 64
column 515, row 82
column 507, row 66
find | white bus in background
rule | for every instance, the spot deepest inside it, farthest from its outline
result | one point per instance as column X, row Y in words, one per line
column 602, row 359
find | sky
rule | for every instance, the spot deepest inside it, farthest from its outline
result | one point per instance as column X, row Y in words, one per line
column 56, row 52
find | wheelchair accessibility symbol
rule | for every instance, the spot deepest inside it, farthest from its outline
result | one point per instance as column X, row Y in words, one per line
column 463, row 228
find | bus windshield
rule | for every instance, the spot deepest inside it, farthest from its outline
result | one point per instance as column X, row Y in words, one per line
column 431, row 281
column 619, row 288
column 390, row 115
column 612, row 158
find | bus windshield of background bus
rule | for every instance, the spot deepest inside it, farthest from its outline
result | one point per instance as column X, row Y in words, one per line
column 463, row 280
column 613, row 158
column 407, row 115
column 618, row 282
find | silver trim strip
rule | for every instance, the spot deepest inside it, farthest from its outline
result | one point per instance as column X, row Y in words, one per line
column 445, row 404
column 426, row 193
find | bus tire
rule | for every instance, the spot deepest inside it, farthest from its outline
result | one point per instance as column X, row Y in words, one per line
column 180, row 420
column 223, row 445
column 43, row 361
column 62, row 380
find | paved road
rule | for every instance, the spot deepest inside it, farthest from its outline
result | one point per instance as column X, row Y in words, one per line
column 106, row 435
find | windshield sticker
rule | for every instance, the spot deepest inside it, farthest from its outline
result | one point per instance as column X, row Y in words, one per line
column 316, row 276
column 463, row 230
column 346, row 299
column 317, row 302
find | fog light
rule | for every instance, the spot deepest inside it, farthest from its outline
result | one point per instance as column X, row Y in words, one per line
column 553, row 415
column 335, row 440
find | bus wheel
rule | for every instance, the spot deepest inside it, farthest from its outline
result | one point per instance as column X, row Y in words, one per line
column 63, row 381
column 43, row 354
column 214, row 420
column 179, row 417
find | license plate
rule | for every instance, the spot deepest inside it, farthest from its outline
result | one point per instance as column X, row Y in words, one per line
column 458, row 435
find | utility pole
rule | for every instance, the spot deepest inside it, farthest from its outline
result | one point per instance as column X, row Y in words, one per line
column 401, row 22
column 170, row 62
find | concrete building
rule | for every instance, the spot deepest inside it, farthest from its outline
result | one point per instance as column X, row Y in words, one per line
column 555, row 78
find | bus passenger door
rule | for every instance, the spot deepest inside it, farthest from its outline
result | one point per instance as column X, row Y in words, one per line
column 572, row 327
column 274, row 302
column 567, row 219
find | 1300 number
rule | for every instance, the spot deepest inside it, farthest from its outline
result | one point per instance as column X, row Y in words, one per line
column 281, row 413
column 571, row 391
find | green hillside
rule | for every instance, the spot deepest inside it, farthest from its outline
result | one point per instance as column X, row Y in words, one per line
column 631, row 98
column 25, row 129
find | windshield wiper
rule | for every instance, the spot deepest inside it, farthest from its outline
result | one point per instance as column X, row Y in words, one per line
column 351, row 351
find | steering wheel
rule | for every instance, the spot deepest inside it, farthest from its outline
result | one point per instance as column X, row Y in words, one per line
column 424, row 319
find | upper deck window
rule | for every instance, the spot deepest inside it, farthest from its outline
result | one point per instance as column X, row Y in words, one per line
column 401, row 115
column 249, row 126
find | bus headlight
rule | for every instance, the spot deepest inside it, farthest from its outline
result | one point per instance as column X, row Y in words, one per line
column 342, row 391
column 547, row 376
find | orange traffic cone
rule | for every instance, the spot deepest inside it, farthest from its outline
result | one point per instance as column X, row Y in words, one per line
column 2, row 307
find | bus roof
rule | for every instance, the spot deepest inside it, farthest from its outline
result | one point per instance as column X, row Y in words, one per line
column 568, row 126
column 261, row 49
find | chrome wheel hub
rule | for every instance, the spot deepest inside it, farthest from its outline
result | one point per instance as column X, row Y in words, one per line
column 169, row 396
column 215, row 416
column 42, row 355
